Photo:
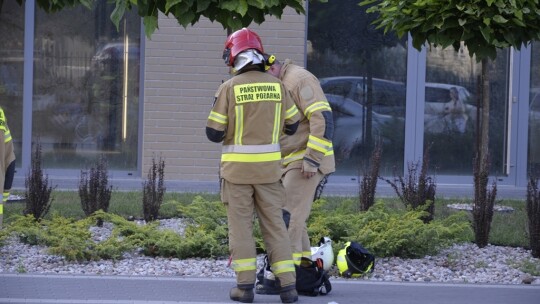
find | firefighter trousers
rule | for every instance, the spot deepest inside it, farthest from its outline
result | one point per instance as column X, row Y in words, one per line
column 300, row 192
column 266, row 200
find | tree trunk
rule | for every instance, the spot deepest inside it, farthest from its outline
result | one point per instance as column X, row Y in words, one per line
column 484, row 129
column 483, row 198
column 369, row 105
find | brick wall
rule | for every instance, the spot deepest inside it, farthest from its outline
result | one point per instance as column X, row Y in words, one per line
column 183, row 69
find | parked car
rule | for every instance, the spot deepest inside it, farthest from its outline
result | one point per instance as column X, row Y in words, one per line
column 350, row 125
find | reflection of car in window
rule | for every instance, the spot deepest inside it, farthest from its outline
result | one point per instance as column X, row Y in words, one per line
column 347, row 97
column 439, row 92
column 388, row 96
column 350, row 125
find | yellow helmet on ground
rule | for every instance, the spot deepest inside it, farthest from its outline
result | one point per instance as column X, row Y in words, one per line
column 354, row 260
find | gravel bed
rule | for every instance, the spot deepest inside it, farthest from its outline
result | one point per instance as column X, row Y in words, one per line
column 461, row 263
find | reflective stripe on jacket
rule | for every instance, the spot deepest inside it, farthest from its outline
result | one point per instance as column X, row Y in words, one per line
column 4, row 127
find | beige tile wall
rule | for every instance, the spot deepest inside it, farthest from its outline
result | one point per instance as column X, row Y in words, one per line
column 183, row 68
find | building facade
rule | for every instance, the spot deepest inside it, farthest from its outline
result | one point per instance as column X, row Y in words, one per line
column 82, row 88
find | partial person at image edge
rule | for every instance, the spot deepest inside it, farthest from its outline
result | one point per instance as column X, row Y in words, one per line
column 7, row 162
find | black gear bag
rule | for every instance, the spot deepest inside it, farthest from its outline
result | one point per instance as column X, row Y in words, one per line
column 311, row 280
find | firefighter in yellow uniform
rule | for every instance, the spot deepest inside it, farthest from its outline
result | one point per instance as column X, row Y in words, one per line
column 7, row 162
column 308, row 155
column 250, row 112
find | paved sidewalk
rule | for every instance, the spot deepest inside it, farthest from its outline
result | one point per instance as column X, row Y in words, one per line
column 337, row 185
column 91, row 289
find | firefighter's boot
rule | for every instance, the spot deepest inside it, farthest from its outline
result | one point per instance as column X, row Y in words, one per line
column 242, row 295
column 289, row 296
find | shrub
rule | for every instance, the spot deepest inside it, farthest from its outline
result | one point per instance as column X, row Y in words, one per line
column 533, row 214
column 416, row 190
column 368, row 182
column 383, row 231
column 391, row 233
column 69, row 238
column 38, row 192
column 153, row 190
column 94, row 191
column 483, row 203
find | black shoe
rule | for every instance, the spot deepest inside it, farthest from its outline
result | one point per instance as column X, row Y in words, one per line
column 289, row 296
column 242, row 295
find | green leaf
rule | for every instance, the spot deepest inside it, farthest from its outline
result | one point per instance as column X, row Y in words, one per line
column 256, row 3
column 202, row 5
column 229, row 5
column 234, row 23
column 186, row 18
column 519, row 22
column 143, row 7
column 438, row 23
column 518, row 14
column 499, row 19
column 486, row 33
column 462, row 22
column 242, row 7
column 150, row 25
column 118, row 13
column 171, row 3
column 256, row 15
column 87, row 3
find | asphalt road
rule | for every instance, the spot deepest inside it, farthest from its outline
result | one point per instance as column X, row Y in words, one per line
column 25, row 288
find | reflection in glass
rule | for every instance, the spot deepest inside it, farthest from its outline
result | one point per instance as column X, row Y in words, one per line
column 363, row 73
column 450, row 113
column 11, row 69
column 86, row 87
column 533, row 164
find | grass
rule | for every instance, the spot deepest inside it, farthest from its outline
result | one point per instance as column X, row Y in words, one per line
column 507, row 228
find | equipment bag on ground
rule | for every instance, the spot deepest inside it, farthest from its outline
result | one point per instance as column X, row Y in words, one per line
column 311, row 280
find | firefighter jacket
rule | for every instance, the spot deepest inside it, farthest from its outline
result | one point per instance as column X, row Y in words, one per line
column 7, row 155
column 250, row 112
column 312, row 142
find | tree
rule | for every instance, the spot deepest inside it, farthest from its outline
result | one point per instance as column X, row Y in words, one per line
column 483, row 26
column 232, row 14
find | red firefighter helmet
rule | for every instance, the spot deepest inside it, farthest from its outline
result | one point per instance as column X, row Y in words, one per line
column 240, row 41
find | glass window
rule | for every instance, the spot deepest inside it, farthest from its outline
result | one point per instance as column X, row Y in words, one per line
column 11, row 69
column 86, row 87
column 450, row 113
column 533, row 164
column 363, row 73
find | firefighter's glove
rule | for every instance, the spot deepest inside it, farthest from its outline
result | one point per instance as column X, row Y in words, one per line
column 308, row 170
